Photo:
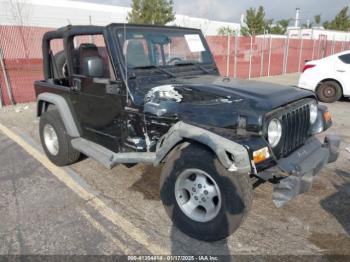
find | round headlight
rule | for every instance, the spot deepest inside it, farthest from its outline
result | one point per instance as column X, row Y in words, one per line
column 313, row 113
column 274, row 132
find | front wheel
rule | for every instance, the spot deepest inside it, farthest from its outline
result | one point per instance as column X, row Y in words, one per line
column 202, row 198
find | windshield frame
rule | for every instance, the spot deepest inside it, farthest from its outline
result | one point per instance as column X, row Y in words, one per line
column 117, row 28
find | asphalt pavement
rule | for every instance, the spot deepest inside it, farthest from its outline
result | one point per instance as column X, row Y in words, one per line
column 86, row 209
column 40, row 214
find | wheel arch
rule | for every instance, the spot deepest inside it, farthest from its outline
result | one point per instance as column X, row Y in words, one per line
column 45, row 100
column 185, row 142
column 232, row 155
column 330, row 79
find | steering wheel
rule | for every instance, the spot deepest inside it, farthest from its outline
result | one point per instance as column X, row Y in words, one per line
column 174, row 59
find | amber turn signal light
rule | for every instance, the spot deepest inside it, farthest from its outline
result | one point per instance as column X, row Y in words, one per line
column 327, row 116
column 261, row 155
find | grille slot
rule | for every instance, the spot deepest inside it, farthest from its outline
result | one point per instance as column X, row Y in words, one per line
column 295, row 126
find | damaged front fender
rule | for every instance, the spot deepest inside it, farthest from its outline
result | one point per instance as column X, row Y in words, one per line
column 232, row 155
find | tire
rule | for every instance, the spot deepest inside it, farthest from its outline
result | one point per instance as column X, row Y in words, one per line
column 329, row 91
column 235, row 192
column 61, row 153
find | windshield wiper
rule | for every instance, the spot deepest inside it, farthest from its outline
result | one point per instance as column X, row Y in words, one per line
column 156, row 67
column 193, row 63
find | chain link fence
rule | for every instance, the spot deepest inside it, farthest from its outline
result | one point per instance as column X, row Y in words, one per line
column 247, row 57
column 236, row 56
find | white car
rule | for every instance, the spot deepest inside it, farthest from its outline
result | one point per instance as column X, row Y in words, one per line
column 329, row 77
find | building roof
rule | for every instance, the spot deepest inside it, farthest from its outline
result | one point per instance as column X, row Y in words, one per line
column 57, row 13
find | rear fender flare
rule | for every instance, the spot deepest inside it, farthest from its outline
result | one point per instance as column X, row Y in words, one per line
column 63, row 109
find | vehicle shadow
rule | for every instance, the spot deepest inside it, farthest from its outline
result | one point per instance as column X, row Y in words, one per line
column 344, row 99
column 181, row 244
column 148, row 184
column 338, row 204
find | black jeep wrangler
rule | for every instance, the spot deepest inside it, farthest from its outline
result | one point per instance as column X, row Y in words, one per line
column 126, row 94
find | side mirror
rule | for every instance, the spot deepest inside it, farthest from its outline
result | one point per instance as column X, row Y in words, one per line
column 93, row 66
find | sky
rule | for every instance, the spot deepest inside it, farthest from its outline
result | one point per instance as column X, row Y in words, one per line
column 231, row 10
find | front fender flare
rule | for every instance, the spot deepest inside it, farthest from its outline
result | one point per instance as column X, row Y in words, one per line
column 222, row 147
column 63, row 109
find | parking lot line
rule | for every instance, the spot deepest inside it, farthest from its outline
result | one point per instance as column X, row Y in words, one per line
column 134, row 232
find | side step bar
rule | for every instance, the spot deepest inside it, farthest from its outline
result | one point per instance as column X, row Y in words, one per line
column 108, row 158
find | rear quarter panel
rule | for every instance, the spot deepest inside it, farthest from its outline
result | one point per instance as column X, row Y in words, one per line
column 342, row 71
column 44, row 86
column 324, row 69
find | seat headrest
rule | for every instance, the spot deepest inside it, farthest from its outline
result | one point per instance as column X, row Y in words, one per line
column 135, row 45
column 136, row 55
column 88, row 49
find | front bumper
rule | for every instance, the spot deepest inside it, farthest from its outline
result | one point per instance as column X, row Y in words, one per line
column 302, row 166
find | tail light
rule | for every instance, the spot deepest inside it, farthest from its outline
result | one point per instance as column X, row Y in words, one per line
column 306, row 67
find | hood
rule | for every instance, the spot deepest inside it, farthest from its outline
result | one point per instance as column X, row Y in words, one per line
column 262, row 96
column 216, row 101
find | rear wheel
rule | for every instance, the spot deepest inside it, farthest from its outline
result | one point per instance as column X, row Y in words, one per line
column 55, row 140
column 203, row 199
column 329, row 91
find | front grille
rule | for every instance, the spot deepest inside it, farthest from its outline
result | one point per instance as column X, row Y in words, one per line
column 295, row 120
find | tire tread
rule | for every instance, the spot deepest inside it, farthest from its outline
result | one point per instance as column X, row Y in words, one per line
column 67, row 154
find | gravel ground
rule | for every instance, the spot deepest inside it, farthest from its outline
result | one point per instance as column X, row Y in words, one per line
column 315, row 223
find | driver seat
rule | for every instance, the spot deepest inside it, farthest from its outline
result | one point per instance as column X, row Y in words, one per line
column 136, row 55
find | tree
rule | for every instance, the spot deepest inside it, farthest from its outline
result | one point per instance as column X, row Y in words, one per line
column 226, row 30
column 155, row 12
column 307, row 25
column 316, row 22
column 20, row 14
column 340, row 22
column 326, row 25
column 317, row 19
column 279, row 28
column 255, row 21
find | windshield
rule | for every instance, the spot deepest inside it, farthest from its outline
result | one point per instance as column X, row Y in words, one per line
column 149, row 47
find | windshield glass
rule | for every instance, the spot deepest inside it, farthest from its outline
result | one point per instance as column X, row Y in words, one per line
column 149, row 47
